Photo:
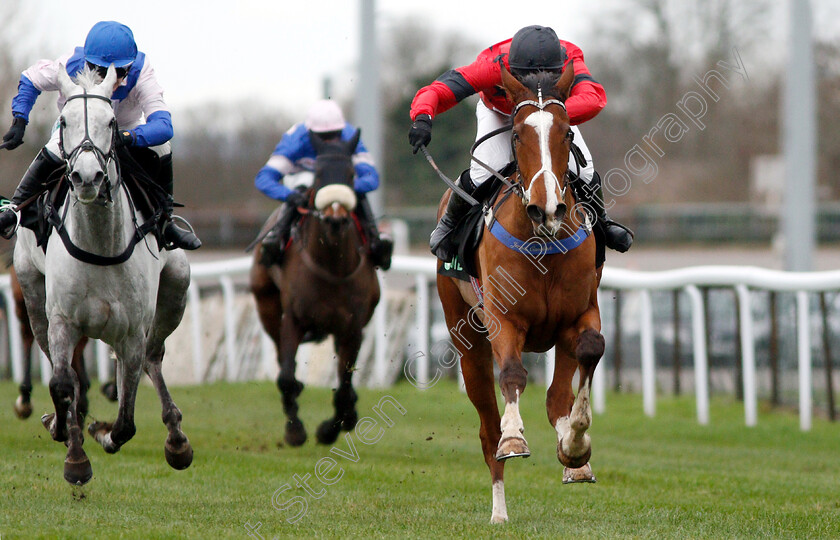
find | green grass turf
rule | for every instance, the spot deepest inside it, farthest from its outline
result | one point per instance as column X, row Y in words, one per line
column 662, row 477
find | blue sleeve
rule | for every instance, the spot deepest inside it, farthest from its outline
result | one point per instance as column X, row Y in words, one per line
column 25, row 99
column 157, row 130
column 270, row 182
column 367, row 179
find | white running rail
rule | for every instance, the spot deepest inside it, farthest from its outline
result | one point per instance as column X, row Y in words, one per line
column 423, row 269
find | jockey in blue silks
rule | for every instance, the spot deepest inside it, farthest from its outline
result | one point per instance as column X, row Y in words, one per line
column 293, row 159
column 143, row 120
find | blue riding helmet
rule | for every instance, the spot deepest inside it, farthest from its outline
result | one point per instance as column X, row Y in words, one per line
column 110, row 42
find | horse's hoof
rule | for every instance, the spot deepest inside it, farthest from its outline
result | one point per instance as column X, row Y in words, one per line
column 328, row 431
column 573, row 462
column 511, row 447
column 78, row 472
column 23, row 410
column 109, row 390
column 579, row 475
column 178, row 458
column 295, row 433
column 350, row 420
column 101, row 431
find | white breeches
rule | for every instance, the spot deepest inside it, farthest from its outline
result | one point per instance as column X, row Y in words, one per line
column 496, row 151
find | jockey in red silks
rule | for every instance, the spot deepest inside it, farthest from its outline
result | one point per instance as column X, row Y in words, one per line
column 143, row 121
column 294, row 157
column 532, row 49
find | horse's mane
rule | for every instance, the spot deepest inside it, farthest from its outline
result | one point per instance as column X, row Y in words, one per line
column 544, row 80
column 88, row 78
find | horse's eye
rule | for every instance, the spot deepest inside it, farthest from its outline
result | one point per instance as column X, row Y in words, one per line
column 62, row 122
column 570, row 135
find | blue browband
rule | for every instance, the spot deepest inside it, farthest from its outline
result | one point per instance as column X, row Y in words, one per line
column 538, row 245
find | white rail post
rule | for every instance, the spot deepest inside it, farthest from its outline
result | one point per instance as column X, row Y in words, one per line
column 229, row 295
column 803, row 343
column 549, row 367
column 599, row 385
column 15, row 342
column 748, row 353
column 701, row 362
column 194, row 296
column 103, row 361
column 380, row 316
column 648, row 361
column 422, row 284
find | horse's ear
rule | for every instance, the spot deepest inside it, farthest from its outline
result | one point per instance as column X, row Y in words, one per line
column 65, row 83
column 514, row 89
column 354, row 141
column 107, row 84
column 564, row 84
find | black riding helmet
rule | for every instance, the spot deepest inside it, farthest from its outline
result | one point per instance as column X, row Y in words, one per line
column 535, row 48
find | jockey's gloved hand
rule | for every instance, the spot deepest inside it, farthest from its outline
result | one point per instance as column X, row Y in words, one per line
column 125, row 138
column 14, row 137
column 420, row 133
column 297, row 198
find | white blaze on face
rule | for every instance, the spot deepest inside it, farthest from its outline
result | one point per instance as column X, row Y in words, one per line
column 541, row 121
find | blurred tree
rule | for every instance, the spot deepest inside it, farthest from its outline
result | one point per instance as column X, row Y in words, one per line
column 413, row 57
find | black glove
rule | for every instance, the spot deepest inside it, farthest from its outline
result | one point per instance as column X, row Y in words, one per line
column 14, row 137
column 297, row 198
column 125, row 138
column 420, row 133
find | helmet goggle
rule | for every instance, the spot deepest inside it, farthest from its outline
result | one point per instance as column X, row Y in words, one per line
column 103, row 70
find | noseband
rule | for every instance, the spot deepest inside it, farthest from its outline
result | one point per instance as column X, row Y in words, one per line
column 87, row 144
column 541, row 105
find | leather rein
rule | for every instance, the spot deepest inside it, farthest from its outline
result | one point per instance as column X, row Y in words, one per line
column 103, row 158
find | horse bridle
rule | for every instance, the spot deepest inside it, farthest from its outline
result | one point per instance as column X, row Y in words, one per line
column 87, row 144
column 541, row 105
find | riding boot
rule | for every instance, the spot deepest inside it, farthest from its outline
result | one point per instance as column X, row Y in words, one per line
column 274, row 243
column 616, row 236
column 34, row 181
column 381, row 247
column 441, row 242
column 174, row 237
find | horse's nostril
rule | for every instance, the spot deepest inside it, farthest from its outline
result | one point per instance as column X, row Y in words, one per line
column 561, row 211
column 536, row 213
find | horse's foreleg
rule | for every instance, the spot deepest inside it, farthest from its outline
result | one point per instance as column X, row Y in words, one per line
column 477, row 367
column 344, row 399
column 177, row 449
column 130, row 355
column 65, row 392
column 572, row 416
column 507, row 346
column 78, row 365
column 290, row 387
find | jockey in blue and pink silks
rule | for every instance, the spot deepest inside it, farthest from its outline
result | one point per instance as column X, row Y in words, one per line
column 143, row 120
column 293, row 159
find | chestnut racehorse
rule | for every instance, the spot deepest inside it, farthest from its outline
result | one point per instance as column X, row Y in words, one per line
column 532, row 300
column 324, row 286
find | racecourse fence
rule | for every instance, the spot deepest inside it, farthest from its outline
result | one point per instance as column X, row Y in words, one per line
column 220, row 337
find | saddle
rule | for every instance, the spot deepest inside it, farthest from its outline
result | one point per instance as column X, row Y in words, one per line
column 138, row 168
column 470, row 229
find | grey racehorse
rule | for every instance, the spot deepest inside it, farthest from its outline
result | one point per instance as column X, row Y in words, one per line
column 116, row 286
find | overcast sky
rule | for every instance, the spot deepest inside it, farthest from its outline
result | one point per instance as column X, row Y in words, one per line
column 279, row 51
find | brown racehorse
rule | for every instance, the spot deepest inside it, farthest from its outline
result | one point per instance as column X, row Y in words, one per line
column 531, row 302
column 23, row 405
column 325, row 285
